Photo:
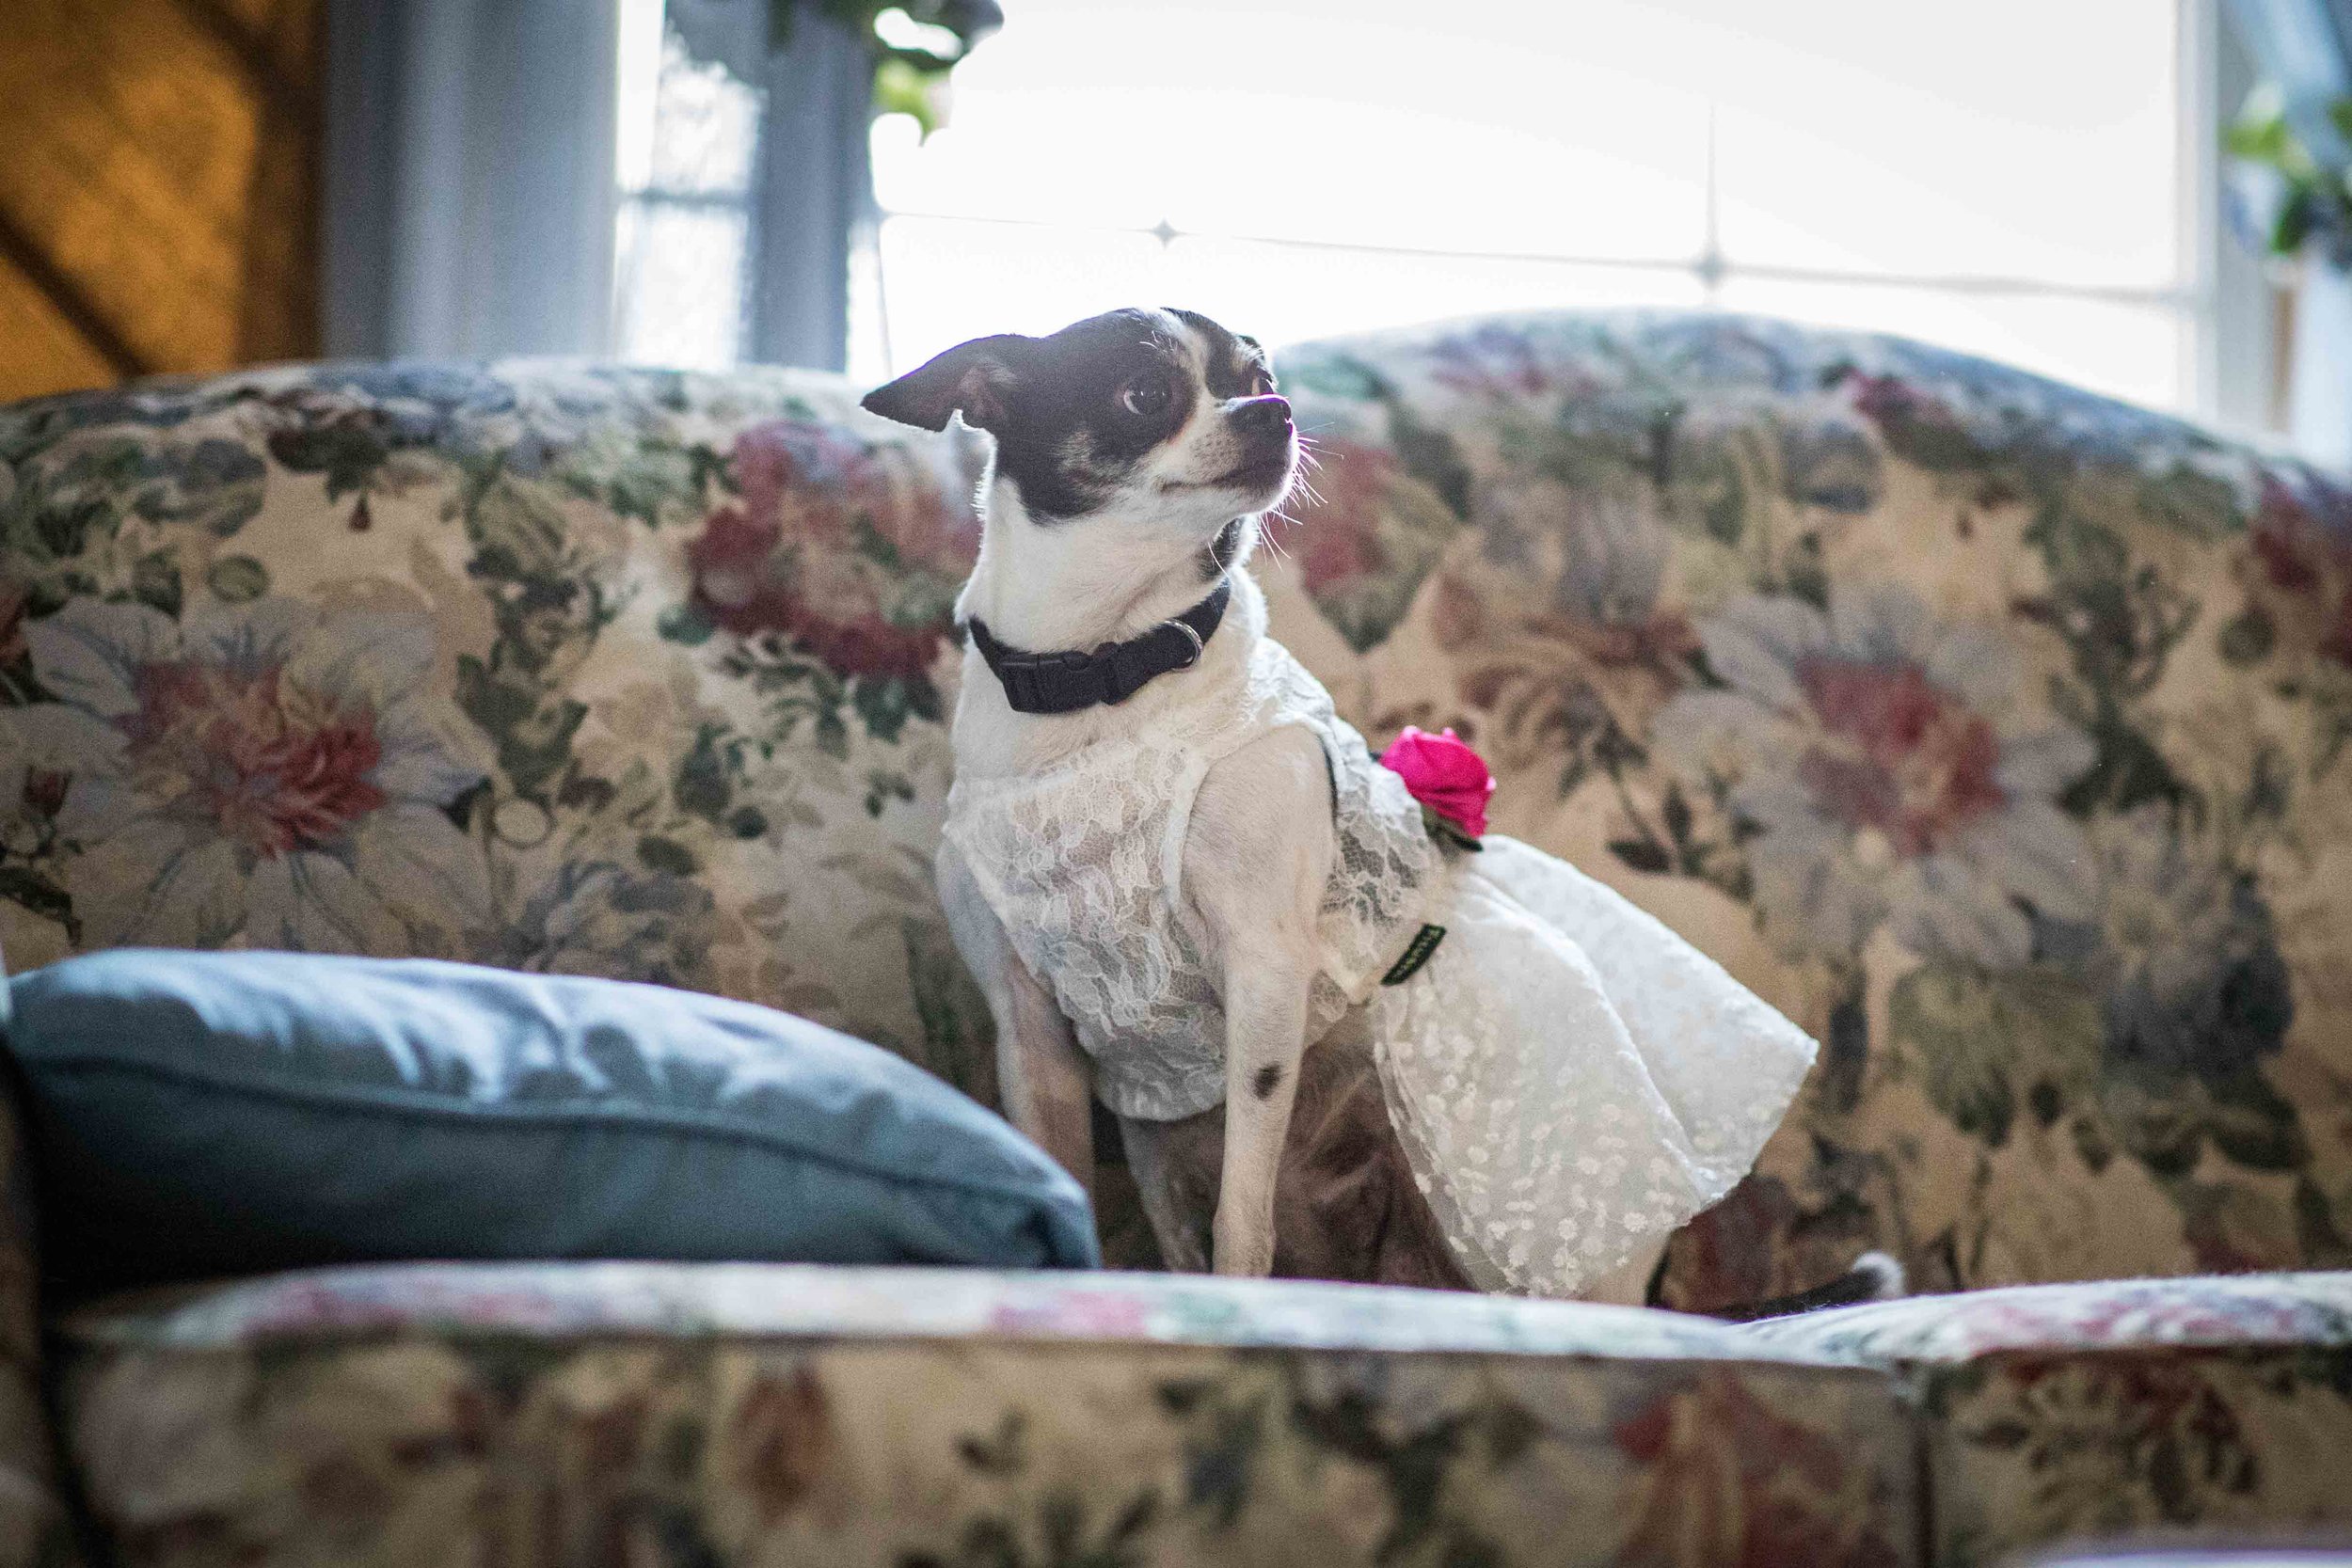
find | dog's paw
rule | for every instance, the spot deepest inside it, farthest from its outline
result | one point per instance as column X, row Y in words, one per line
column 1241, row 1252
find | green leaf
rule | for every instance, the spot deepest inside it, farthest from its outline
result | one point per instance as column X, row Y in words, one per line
column 666, row 854
column 347, row 453
column 1974, row 1038
column 2260, row 136
column 684, row 623
column 237, row 578
column 883, row 703
column 700, row 788
column 2192, row 500
column 2294, row 226
column 899, row 88
column 833, row 736
column 2254, row 1126
column 27, row 888
column 648, row 479
column 155, row 582
column 518, row 532
column 1640, row 854
column 2247, row 637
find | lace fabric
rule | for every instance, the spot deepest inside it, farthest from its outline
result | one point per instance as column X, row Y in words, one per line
column 1084, row 863
column 1570, row 1079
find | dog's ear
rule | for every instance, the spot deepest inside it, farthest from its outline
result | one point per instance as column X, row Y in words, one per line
column 973, row 378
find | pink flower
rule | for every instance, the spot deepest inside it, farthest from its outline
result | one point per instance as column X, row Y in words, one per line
column 850, row 552
column 1444, row 775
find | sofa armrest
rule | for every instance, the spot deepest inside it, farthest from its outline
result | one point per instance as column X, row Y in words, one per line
column 2066, row 1411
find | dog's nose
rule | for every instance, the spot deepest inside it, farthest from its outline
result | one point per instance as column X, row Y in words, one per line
column 1266, row 416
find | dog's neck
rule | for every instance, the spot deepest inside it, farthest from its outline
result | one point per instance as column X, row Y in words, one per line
column 1045, row 589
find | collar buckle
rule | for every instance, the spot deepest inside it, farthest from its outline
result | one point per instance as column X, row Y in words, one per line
column 1199, row 646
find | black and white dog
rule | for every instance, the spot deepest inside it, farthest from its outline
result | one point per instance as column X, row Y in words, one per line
column 1134, row 454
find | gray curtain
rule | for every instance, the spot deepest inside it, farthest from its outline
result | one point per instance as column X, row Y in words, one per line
column 469, row 178
column 469, row 189
column 815, row 186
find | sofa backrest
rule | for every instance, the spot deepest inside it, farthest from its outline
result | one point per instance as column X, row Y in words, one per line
column 1995, row 731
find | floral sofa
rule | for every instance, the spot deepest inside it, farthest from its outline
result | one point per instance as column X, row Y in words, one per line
column 2000, row 733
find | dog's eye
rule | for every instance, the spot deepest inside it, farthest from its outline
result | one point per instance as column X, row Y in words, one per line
column 1147, row 396
column 1260, row 384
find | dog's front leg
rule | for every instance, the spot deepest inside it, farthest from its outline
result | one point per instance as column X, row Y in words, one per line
column 1043, row 1074
column 1266, row 1017
column 1256, row 856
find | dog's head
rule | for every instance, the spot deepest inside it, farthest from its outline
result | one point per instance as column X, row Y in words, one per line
column 1160, row 418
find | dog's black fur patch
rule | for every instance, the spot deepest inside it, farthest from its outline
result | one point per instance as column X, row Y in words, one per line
column 1223, row 550
column 1059, row 406
column 1265, row 1081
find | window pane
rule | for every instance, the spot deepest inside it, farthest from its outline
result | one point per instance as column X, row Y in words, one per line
column 706, row 129
column 1284, row 294
column 2014, row 139
column 1485, row 127
column 2131, row 351
column 946, row 279
column 678, row 284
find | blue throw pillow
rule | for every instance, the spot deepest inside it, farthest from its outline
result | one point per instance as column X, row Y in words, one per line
column 197, row 1115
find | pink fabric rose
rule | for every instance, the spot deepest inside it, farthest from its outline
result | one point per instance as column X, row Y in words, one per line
column 1448, row 778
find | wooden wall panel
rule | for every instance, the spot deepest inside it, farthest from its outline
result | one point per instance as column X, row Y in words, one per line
column 158, row 187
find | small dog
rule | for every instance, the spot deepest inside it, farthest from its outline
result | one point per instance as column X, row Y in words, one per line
column 1166, row 901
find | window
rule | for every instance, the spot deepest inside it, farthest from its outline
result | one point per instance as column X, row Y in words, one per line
column 2011, row 178
column 2024, row 180
column 687, row 150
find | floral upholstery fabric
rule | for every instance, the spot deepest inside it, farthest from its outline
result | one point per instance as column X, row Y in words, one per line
column 618, row 673
column 568, row 1414
column 2071, row 1412
column 1995, row 731
column 2029, row 1448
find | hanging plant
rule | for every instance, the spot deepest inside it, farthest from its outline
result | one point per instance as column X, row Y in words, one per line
column 2293, row 199
column 915, row 44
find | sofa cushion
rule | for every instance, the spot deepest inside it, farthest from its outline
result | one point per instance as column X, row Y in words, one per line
column 679, row 1413
column 216, row 1113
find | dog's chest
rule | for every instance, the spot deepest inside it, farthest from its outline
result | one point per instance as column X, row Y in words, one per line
column 1082, row 864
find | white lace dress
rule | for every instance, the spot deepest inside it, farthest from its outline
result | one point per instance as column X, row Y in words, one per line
column 1569, row 1079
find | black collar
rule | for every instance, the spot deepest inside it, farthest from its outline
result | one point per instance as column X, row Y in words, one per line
column 1066, row 682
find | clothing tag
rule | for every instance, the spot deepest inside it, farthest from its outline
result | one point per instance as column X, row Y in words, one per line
column 1416, row 954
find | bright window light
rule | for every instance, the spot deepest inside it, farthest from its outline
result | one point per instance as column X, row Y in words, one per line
column 1302, row 168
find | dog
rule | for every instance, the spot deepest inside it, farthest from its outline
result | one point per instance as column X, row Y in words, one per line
column 1135, row 453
